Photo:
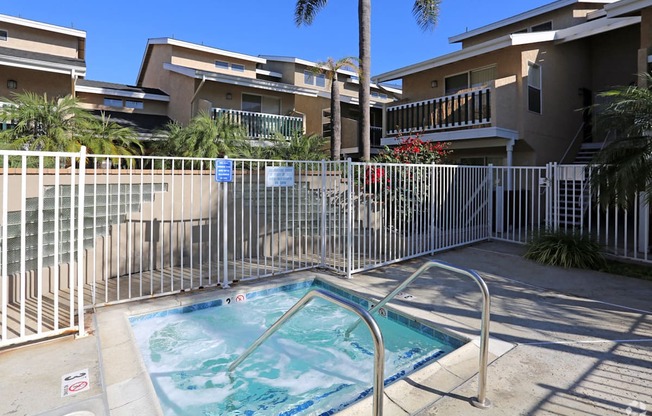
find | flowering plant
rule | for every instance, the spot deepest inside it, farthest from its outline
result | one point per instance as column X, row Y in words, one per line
column 413, row 150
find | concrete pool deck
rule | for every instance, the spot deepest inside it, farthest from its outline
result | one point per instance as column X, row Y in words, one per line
column 583, row 344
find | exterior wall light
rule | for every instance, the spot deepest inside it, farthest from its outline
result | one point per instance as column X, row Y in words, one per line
column 434, row 84
column 229, row 96
column 12, row 84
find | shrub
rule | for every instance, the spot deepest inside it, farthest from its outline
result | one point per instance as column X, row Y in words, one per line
column 413, row 150
column 566, row 249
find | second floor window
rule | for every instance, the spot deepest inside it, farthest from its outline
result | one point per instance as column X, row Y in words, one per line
column 534, row 88
column 310, row 78
column 3, row 35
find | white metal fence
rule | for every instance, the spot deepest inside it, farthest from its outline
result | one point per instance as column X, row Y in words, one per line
column 115, row 229
column 560, row 197
column 41, row 241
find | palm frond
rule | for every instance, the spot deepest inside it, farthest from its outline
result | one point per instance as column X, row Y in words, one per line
column 426, row 13
column 306, row 10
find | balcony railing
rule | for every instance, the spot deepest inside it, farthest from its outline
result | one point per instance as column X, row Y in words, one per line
column 465, row 109
column 5, row 124
column 261, row 125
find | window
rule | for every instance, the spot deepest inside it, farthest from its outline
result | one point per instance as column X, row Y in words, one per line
column 318, row 80
column 261, row 104
column 471, row 79
column 534, row 88
column 252, row 103
column 138, row 105
column 456, row 83
column 482, row 76
column 543, row 27
column 112, row 102
column 3, row 35
column 222, row 64
column 380, row 95
column 237, row 67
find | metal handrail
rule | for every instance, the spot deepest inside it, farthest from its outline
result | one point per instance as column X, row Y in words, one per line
column 379, row 346
column 572, row 142
column 481, row 401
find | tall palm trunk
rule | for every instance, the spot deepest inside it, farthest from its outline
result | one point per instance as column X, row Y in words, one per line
column 364, row 21
column 336, row 119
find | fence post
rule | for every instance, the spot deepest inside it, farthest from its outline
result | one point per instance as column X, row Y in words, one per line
column 490, row 199
column 323, row 213
column 349, row 219
column 80, row 240
column 548, row 185
column 643, row 223
column 225, row 233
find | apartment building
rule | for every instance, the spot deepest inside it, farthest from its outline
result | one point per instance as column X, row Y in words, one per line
column 39, row 57
column 268, row 95
column 48, row 59
column 515, row 91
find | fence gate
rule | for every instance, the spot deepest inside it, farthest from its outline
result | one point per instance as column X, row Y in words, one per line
column 529, row 200
column 41, row 240
column 399, row 212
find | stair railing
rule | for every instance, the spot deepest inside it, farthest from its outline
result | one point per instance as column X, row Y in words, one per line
column 570, row 146
column 379, row 346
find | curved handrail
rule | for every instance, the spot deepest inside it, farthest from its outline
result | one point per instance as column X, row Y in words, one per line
column 379, row 346
column 481, row 401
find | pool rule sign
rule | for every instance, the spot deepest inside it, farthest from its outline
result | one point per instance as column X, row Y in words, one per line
column 76, row 382
column 224, row 175
column 223, row 170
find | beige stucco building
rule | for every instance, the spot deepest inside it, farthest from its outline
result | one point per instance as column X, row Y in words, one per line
column 39, row 57
column 267, row 94
column 515, row 91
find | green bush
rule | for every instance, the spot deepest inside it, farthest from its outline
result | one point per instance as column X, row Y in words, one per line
column 566, row 249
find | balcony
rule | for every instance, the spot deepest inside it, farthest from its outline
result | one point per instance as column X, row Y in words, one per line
column 472, row 109
column 262, row 126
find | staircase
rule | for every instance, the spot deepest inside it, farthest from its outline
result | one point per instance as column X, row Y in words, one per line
column 572, row 195
column 586, row 153
column 99, row 196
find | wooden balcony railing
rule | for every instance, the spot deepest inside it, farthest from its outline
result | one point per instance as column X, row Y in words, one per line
column 465, row 109
column 262, row 125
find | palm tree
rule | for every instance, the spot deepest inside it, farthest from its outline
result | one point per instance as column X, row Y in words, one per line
column 425, row 13
column 42, row 124
column 624, row 167
column 203, row 137
column 330, row 67
column 106, row 137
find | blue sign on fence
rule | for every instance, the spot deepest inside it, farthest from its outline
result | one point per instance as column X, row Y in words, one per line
column 223, row 170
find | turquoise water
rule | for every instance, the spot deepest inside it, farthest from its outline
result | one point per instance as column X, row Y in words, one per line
column 307, row 368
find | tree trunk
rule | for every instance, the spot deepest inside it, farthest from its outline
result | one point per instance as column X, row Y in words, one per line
column 364, row 21
column 336, row 119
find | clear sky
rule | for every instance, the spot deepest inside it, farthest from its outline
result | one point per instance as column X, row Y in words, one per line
column 117, row 30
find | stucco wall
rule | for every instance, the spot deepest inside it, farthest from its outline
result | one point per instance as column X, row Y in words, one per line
column 42, row 41
column 39, row 82
column 206, row 61
column 215, row 92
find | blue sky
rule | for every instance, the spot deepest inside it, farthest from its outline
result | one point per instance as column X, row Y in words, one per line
column 117, row 30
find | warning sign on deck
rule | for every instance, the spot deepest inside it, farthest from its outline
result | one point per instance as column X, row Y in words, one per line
column 74, row 383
